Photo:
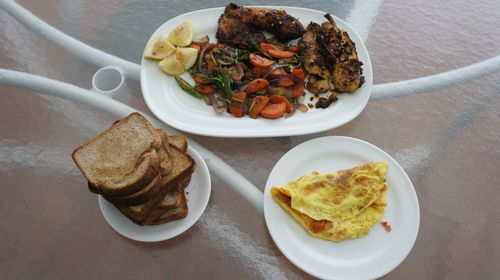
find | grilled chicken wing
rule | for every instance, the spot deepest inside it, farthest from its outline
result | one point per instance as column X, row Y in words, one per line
column 231, row 30
column 346, row 76
column 314, row 62
column 277, row 22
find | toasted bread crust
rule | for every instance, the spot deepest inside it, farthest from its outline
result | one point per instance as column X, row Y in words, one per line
column 138, row 178
column 141, row 196
column 148, row 207
column 112, row 189
column 178, row 141
column 172, row 214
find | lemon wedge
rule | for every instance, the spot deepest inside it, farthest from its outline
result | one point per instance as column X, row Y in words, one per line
column 187, row 57
column 171, row 65
column 159, row 48
column 182, row 35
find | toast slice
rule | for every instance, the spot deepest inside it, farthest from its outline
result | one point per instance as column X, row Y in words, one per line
column 123, row 159
column 164, row 153
column 176, row 213
column 139, row 213
column 149, row 191
column 141, row 196
column 172, row 200
column 179, row 141
column 182, row 168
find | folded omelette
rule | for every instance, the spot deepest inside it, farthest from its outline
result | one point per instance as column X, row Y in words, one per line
column 336, row 206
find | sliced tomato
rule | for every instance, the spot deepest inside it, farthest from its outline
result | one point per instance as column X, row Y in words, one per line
column 280, row 54
column 266, row 47
column 260, row 61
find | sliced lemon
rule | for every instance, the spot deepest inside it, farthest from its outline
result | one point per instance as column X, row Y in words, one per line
column 171, row 65
column 187, row 57
column 159, row 48
column 182, row 35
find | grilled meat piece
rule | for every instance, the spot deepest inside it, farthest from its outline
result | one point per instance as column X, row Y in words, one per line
column 277, row 22
column 314, row 62
column 232, row 31
column 346, row 76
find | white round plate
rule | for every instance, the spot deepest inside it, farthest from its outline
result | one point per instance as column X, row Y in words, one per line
column 197, row 194
column 178, row 109
column 368, row 257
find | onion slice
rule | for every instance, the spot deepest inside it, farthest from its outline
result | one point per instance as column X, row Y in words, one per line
column 272, row 68
column 288, row 76
column 201, row 55
column 215, row 104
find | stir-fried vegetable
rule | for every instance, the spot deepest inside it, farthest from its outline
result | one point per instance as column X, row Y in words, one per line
column 187, row 87
column 266, row 80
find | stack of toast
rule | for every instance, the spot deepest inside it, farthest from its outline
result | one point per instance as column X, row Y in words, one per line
column 141, row 170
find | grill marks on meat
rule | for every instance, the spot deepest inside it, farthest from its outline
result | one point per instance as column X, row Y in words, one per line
column 329, row 53
column 232, row 31
column 237, row 23
column 314, row 60
column 347, row 73
column 277, row 22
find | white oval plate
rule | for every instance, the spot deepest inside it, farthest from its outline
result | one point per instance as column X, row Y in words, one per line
column 175, row 107
column 197, row 194
column 368, row 257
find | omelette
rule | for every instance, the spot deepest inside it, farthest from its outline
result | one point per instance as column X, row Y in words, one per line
column 336, row 206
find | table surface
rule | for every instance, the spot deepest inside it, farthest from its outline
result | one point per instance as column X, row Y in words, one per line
column 447, row 140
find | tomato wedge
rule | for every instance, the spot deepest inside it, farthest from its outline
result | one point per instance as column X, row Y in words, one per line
column 273, row 111
column 280, row 54
column 275, row 99
column 260, row 61
column 258, row 103
column 265, row 47
column 256, row 85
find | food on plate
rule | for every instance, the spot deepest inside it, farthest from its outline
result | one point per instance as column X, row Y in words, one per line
column 232, row 31
column 141, row 170
column 237, row 23
column 324, row 62
column 172, row 65
column 182, row 35
column 386, row 226
column 347, row 71
column 330, row 57
column 159, row 48
column 336, row 206
column 174, row 60
column 187, row 57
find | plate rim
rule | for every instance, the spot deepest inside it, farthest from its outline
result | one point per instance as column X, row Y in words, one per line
column 307, row 269
column 305, row 130
column 200, row 166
